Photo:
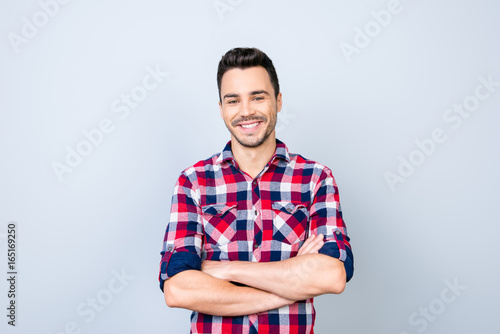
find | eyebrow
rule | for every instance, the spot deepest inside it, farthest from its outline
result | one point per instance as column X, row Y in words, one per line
column 255, row 92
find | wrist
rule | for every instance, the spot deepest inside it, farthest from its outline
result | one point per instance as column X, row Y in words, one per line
column 229, row 271
column 282, row 301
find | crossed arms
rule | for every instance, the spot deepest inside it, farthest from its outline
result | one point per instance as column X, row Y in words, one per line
column 269, row 285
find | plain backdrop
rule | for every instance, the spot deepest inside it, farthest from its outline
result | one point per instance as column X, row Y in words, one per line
column 365, row 86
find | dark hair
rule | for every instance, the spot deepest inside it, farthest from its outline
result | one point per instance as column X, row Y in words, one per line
column 244, row 58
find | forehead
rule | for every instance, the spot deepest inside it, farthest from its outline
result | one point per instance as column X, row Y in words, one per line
column 238, row 80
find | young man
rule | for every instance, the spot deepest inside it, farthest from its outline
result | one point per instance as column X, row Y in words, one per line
column 255, row 232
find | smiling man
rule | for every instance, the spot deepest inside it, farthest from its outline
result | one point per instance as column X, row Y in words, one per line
column 255, row 232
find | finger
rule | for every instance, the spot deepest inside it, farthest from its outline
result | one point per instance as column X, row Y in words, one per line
column 309, row 245
column 318, row 244
column 313, row 245
column 309, row 240
column 305, row 246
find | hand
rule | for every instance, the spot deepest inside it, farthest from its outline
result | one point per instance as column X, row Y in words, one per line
column 312, row 245
column 216, row 269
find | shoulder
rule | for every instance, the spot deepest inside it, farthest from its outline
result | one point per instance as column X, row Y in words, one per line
column 318, row 176
column 309, row 167
column 199, row 169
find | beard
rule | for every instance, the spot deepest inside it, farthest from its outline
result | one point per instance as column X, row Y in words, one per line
column 252, row 140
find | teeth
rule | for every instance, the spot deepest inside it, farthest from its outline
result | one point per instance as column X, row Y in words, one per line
column 248, row 126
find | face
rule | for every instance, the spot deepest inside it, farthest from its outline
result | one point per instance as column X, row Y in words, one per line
column 248, row 105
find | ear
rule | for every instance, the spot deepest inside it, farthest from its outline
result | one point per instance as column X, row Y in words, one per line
column 220, row 110
column 279, row 102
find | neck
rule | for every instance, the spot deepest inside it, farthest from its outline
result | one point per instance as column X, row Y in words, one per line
column 252, row 160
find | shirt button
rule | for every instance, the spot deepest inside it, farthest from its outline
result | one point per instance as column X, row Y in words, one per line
column 254, row 183
column 255, row 246
column 289, row 209
column 256, row 213
column 337, row 232
column 169, row 248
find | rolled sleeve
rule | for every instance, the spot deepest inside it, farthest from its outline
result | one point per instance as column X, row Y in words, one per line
column 174, row 263
column 332, row 249
column 326, row 218
column 183, row 237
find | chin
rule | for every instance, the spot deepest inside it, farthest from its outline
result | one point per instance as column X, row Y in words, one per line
column 252, row 142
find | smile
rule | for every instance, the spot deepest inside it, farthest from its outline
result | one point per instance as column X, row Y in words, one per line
column 249, row 126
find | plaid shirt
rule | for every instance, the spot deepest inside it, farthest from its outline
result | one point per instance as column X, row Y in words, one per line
column 220, row 213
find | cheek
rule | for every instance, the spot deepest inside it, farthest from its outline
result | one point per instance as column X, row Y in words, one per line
column 267, row 110
column 227, row 117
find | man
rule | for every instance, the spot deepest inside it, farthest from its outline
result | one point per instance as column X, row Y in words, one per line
column 255, row 232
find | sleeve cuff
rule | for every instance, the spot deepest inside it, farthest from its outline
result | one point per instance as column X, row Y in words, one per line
column 331, row 249
column 177, row 263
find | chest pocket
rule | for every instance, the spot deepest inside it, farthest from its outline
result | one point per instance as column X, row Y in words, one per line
column 219, row 222
column 290, row 222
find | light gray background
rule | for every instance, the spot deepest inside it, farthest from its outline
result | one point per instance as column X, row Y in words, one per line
column 357, row 117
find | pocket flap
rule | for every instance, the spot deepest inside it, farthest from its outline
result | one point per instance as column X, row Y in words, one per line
column 287, row 207
column 217, row 210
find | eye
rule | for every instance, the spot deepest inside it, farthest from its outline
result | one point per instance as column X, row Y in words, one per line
column 258, row 98
column 232, row 101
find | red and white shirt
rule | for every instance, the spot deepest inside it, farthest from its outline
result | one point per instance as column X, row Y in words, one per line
column 220, row 213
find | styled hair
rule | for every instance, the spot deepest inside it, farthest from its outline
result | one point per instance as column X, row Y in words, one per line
column 243, row 58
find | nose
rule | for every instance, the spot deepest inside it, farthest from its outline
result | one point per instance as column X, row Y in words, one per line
column 246, row 109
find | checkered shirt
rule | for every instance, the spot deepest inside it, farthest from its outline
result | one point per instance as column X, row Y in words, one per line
column 220, row 213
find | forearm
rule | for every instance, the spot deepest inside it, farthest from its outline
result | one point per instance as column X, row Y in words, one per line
column 297, row 278
column 200, row 292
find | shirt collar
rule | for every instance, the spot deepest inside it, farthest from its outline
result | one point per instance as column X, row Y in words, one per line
column 280, row 153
